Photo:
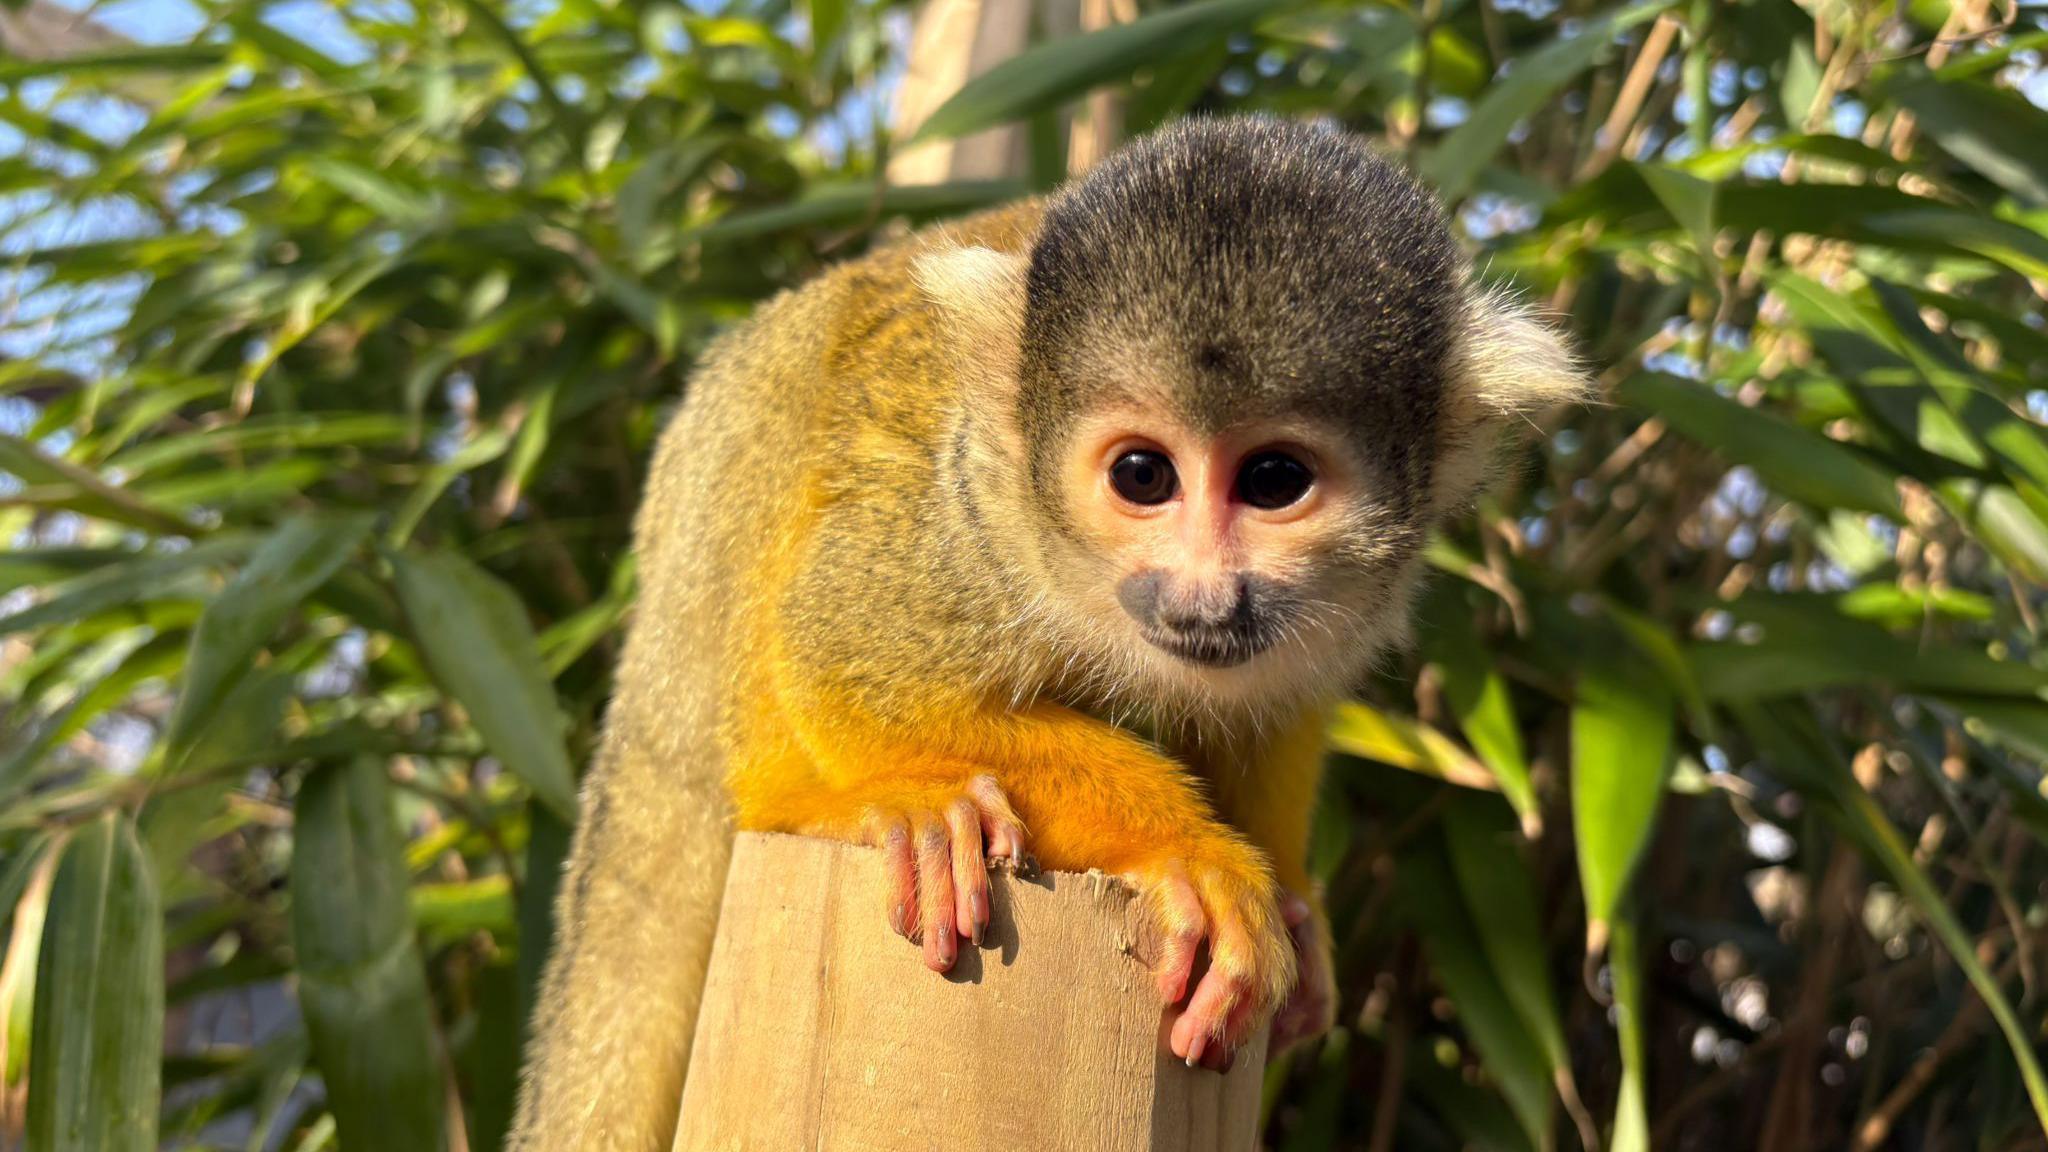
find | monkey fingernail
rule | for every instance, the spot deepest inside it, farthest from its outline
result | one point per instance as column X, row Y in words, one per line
column 977, row 908
column 899, row 920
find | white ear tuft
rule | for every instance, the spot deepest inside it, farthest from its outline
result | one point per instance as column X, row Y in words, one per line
column 1510, row 364
column 1506, row 365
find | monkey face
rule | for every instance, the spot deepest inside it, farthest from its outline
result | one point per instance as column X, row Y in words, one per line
column 1233, row 555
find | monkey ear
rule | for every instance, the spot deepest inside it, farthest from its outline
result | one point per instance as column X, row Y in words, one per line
column 979, row 296
column 1507, row 365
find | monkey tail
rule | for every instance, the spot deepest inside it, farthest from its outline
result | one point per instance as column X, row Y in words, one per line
column 635, row 918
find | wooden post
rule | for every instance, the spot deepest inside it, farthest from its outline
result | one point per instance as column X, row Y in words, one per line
column 823, row 1030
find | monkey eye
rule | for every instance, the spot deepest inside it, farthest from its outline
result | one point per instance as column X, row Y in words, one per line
column 1143, row 477
column 1273, row 480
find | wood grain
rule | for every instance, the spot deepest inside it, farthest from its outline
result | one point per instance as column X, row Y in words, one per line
column 823, row 1030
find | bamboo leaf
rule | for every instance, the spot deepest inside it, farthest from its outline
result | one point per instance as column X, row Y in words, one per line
column 283, row 570
column 1993, row 130
column 145, row 575
column 1372, row 734
column 1495, row 881
column 476, row 639
column 361, row 984
column 1803, row 465
column 1621, row 750
column 99, row 1011
column 1625, row 967
column 1514, row 1057
column 1798, row 643
column 839, row 205
column 1050, row 74
column 79, row 490
column 1478, row 696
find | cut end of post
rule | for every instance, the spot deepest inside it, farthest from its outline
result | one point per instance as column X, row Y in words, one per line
column 821, row 1028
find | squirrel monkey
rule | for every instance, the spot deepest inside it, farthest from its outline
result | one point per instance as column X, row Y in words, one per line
column 1057, row 529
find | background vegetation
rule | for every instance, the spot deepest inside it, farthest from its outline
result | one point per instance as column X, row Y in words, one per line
column 1709, row 813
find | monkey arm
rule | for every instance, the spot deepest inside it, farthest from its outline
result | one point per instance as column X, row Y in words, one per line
column 1090, row 795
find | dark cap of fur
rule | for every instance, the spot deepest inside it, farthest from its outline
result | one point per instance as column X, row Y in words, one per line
column 1251, row 267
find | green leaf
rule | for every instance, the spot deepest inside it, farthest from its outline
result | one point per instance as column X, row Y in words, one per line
column 547, row 851
column 1514, row 1057
column 24, row 567
column 1478, row 696
column 147, row 575
column 846, row 204
column 1055, row 72
column 1497, row 883
column 68, row 486
column 1400, row 742
column 99, row 1011
column 1690, row 200
column 494, row 1056
column 1799, row 643
column 1529, row 84
column 1803, row 465
column 1994, row 130
column 361, row 985
column 178, row 819
column 1621, row 752
column 138, row 58
column 475, row 637
column 379, row 193
column 1631, row 1107
column 283, row 570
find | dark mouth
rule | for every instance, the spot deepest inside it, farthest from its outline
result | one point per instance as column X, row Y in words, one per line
column 1225, row 650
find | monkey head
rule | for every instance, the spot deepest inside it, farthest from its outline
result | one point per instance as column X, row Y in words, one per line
column 1239, row 375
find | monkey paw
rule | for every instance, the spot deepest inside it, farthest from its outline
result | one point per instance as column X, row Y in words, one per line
column 1231, row 905
column 1312, row 1006
column 938, row 870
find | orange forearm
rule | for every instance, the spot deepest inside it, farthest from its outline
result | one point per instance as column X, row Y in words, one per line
column 1090, row 794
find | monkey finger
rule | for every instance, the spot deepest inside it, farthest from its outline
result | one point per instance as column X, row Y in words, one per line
column 1222, row 998
column 935, row 894
column 899, row 865
column 1182, row 927
column 1000, row 827
column 1219, row 1055
column 970, row 873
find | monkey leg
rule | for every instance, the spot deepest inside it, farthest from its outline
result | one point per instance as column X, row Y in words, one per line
column 1272, row 799
column 1091, row 796
column 1311, row 1006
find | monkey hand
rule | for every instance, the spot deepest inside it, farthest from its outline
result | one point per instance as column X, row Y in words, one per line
column 938, row 869
column 1225, row 898
column 1312, row 1007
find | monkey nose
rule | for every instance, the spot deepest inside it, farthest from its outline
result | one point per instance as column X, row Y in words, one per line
column 1210, row 606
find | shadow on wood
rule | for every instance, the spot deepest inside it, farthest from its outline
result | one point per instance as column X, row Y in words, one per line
column 821, row 1029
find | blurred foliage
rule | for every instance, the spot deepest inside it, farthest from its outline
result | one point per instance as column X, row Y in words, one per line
column 1708, row 813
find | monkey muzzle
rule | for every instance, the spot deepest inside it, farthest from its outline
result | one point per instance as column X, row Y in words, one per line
column 1217, row 623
